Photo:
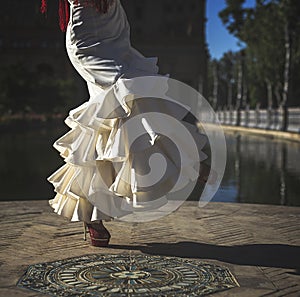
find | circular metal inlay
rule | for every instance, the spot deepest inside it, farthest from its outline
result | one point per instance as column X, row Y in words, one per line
column 127, row 275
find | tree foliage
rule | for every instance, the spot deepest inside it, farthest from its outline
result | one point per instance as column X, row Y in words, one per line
column 38, row 90
column 270, row 33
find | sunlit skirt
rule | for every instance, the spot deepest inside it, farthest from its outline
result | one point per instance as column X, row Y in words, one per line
column 108, row 151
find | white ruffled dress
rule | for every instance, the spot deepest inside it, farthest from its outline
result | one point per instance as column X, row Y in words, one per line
column 101, row 174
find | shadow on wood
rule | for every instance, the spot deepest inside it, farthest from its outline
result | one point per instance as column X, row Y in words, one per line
column 268, row 255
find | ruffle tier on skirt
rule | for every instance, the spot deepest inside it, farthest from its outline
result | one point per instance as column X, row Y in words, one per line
column 109, row 170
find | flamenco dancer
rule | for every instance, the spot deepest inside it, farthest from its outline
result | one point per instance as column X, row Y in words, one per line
column 98, row 175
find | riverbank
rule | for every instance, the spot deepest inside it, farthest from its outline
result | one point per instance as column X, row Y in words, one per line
column 263, row 132
column 26, row 122
column 258, row 243
column 33, row 121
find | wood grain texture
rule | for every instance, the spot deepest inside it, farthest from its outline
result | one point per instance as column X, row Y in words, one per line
column 260, row 244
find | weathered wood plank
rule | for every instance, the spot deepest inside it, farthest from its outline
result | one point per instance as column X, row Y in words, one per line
column 258, row 243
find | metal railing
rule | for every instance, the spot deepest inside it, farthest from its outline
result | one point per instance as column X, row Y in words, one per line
column 269, row 119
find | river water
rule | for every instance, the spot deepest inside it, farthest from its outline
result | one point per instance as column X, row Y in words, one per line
column 258, row 170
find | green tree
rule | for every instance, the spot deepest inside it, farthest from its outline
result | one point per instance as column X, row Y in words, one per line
column 17, row 84
column 38, row 90
column 270, row 32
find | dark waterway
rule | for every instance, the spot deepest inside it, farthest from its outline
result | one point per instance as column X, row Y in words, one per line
column 258, row 170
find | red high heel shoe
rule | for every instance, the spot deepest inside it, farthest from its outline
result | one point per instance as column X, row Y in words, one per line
column 98, row 233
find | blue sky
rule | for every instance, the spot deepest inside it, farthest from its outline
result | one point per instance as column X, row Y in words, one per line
column 218, row 39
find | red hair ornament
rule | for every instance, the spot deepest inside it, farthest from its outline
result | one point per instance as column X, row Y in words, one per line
column 101, row 6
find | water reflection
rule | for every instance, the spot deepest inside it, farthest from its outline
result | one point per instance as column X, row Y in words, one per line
column 27, row 160
column 261, row 170
column 258, row 170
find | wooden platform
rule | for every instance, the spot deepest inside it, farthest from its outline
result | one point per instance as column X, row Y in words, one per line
column 260, row 244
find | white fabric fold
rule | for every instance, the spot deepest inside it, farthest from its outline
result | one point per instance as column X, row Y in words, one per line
column 115, row 150
column 107, row 167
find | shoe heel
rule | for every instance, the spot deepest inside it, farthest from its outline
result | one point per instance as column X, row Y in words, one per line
column 96, row 236
column 85, row 230
column 99, row 242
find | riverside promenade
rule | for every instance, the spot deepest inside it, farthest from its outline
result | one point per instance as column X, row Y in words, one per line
column 259, row 244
